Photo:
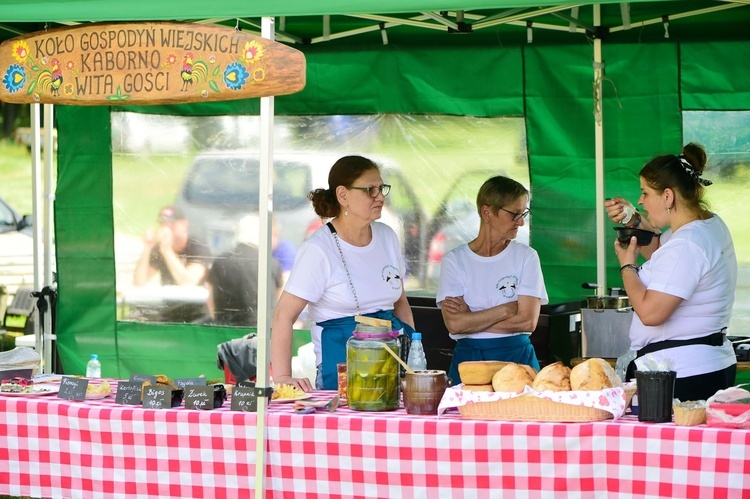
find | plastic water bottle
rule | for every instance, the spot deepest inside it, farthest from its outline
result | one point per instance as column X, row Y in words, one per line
column 417, row 361
column 94, row 367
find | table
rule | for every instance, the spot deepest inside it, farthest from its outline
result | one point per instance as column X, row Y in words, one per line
column 52, row 448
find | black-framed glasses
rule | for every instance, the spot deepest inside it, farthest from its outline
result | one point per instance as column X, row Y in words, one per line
column 516, row 215
column 374, row 190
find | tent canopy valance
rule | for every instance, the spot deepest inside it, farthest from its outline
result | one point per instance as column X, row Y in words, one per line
column 335, row 22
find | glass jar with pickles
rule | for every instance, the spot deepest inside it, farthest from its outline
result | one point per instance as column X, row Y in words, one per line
column 372, row 373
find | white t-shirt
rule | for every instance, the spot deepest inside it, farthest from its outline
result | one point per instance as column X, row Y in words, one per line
column 319, row 277
column 698, row 264
column 486, row 282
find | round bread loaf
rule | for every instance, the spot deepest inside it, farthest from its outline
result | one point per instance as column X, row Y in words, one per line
column 554, row 377
column 594, row 374
column 479, row 388
column 479, row 372
column 512, row 378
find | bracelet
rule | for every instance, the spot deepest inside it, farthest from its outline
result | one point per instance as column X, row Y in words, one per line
column 629, row 266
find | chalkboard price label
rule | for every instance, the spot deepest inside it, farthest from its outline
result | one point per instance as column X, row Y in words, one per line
column 244, row 399
column 199, row 397
column 183, row 382
column 129, row 393
column 157, row 397
column 73, row 388
column 143, row 377
column 246, row 384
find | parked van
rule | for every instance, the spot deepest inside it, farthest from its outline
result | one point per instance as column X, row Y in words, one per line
column 220, row 187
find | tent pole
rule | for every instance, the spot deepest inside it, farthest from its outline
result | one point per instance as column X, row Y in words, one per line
column 264, row 264
column 601, row 261
column 36, row 175
column 49, row 154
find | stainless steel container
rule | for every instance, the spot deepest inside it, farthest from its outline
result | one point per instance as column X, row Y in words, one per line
column 604, row 331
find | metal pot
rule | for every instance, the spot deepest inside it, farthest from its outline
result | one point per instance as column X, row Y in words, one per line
column 607, row 302
column 615, row 300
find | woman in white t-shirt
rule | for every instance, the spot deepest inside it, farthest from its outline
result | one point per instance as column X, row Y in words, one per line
column 491, row 289
column 351, row 266
column 683, row 295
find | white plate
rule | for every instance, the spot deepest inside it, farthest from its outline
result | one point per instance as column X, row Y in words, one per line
column 36, row 391
column 292, row 399
column 97, row 396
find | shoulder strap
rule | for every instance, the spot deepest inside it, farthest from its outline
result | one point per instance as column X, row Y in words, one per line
column 331, row 227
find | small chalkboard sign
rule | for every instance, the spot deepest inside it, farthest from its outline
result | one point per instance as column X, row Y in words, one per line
column 143, row 377
column 183, row 382
column 157, row 397
column 199, row 397
column 73, row 388
column 246, row 384
column 244, row 399
column 129, row 392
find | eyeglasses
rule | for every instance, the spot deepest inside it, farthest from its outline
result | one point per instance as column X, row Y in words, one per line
column 518, row 216
column 374, row 190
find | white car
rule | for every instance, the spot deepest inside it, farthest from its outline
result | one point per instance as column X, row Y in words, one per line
column 16, row 249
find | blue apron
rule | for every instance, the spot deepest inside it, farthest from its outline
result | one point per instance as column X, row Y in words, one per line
column 333, row 344
column 516, row 348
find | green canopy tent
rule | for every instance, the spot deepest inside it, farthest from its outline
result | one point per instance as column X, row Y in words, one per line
column 427, row 66
column 441, row 57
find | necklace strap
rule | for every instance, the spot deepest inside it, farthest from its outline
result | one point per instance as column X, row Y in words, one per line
column 348, row 275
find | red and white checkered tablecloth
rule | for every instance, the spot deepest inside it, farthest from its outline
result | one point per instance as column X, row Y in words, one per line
column 51, row 447
column 56, row 448
column 355, row 454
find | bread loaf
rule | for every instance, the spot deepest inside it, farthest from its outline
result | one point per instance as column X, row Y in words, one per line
column 479, row 372
column 479, row 388
column 554, row 377
column 511, row 378
column 594, row 374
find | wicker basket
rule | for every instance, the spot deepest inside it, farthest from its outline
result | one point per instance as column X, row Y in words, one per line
column 531, row 408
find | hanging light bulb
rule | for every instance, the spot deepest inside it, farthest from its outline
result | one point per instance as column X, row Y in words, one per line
column 665, row 22
column 529, row 32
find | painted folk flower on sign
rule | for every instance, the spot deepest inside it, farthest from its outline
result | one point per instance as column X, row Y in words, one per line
column 235, row 76
column 15, row 78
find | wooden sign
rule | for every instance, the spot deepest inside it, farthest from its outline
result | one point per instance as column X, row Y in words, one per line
column 73, row 388
column 145, row 63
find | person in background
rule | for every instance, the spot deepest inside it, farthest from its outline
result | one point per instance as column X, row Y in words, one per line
column 233, row 279
column 351, row 266
column 284, row 251
column 171, row 253
column 491, row 289
column 682, row 296
column 177, row 259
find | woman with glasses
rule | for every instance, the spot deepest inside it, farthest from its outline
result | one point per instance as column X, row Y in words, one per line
column 353, row 265
column 491, row 289
column 682, row 296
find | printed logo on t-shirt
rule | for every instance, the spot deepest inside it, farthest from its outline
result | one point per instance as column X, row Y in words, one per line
column 507, row 286
column 391, row 277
